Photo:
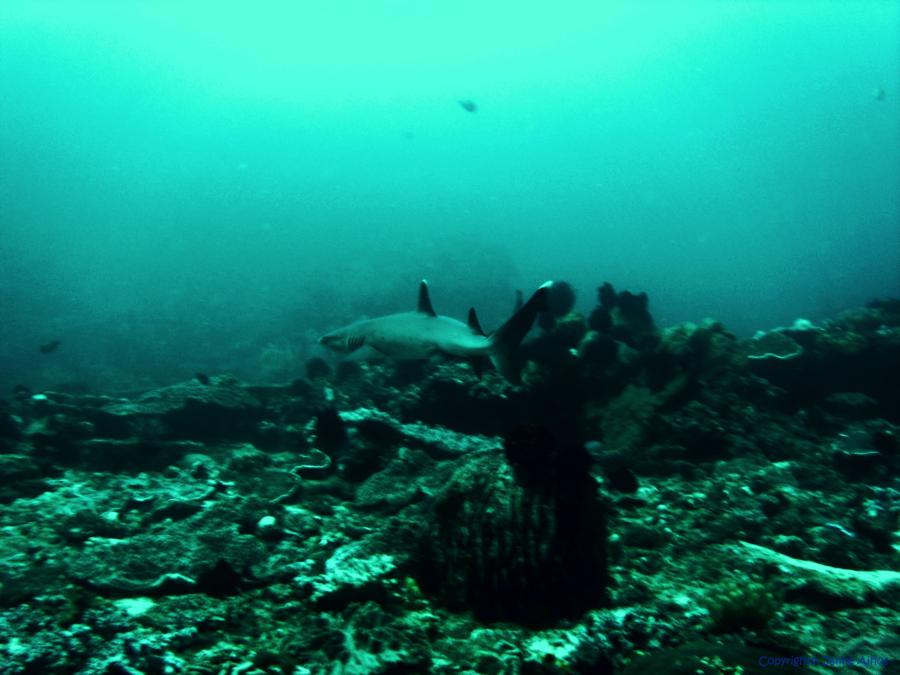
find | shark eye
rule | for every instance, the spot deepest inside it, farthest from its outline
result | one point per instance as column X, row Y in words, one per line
column 354, row 342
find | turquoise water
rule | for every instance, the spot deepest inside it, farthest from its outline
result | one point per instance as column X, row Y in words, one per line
column 184, row 188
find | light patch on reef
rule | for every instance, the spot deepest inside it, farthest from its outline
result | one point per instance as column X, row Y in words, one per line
column 135, row 606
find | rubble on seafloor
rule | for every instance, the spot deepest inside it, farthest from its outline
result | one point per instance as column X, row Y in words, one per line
column 646, row 501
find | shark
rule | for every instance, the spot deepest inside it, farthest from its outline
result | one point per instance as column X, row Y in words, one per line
column 424, row 334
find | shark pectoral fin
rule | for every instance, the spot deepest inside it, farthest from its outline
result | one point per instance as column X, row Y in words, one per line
column 477, row 363
column 364, row 353
column 354, row 342
column 474, row 324
column 425, row 300
column 378, row 351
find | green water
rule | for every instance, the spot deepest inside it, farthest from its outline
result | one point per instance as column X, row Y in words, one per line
column 185, row 184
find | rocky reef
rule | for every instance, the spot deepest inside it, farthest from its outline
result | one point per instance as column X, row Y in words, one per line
column 646, row 501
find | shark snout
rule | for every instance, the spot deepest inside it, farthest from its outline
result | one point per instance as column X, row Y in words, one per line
column 332, row 341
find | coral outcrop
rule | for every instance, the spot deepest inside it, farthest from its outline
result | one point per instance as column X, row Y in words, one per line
column 647, row 500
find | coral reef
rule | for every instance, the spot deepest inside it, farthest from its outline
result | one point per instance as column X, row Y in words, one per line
column 645, row 501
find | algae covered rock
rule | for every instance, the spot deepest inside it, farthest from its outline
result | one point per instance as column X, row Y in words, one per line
column 773, row 346
column 197, row 550
column 193, row 410
column 21, row 476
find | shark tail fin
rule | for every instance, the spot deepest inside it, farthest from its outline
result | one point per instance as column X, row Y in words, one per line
column 511, row 333
column 474, row 323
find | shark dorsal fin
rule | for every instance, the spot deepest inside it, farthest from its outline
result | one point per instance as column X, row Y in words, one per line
column 425, row 300
column 473, row 322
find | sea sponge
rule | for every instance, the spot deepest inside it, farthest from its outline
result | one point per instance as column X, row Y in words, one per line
column 520, row 538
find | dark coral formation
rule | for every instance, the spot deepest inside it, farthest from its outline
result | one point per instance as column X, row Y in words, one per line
column 522, row 539
column 625, row 316
column 560, row 301
column 858, row 352
column 647, row 497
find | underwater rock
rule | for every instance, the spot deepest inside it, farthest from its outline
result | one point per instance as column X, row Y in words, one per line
column 370, row 638
column 348, row 370
column 851, row 405
column 200, row 554
column 696, row 349
column 10, row 428
column 598, row 351
column 401, row 482
column 729, row 656
column 21, row 476
column 353, row 573
column 624, row 420
column 568, row 331
column 690, row 361
column 857, row 352
column 861, row 452
column 317, row 367
column 371, row 439
column 11, row 432
column 330, row 431
column 622, row 480
column 27, row 569
column 56, row 436
column 699, row 430
column 818, row 585
column 452, row 397
column 135, row 453
column 773, row 346
column 194, row 411
column 439, row 443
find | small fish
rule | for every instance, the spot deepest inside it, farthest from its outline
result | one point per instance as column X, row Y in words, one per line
column 469, row 105
column 879, row 94
column 419, row 335
column 49, row 347
column 21, row 392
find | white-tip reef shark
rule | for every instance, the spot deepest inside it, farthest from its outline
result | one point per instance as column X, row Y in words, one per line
column 424, row 334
